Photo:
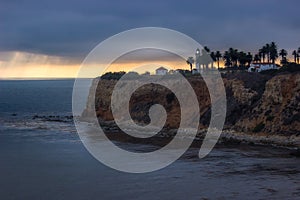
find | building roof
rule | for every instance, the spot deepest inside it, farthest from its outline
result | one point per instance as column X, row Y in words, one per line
column 162, row 68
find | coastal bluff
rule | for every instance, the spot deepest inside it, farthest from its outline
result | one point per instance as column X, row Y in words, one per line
column 257, row 104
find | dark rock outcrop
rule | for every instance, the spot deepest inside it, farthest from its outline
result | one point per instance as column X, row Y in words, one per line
column 255, row 103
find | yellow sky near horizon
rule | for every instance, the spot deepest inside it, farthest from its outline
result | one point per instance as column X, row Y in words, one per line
column 30, row 65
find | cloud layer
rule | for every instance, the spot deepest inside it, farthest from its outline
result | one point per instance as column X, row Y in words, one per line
column 73, row 28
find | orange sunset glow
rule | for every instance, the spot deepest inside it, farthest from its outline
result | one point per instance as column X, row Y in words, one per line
column 29, row 65
column 23, row 65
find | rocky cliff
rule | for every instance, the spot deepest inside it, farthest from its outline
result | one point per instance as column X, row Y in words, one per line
column 277, row 110
column 256, row 103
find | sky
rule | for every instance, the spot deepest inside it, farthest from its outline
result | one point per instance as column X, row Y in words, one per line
column 51, row 38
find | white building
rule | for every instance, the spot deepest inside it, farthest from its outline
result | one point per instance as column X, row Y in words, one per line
column 161, row 71
column 258, row 67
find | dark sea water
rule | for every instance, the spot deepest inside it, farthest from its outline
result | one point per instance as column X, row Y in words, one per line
column 42, row 158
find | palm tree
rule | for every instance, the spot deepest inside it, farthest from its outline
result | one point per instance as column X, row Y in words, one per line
column 273, row 53
column 283, row 53
column 227, row 59
column 256, row 58
column 190, row 61
column 267, row 50
column 296, row 56
column 284, row 61
column 206, row 49
column 213, row 57
column 218, row 55
column 242, row 58
column 234, row 55
column 262, row 53
column 249, row 58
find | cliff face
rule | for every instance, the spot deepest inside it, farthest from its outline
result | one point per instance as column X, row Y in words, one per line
column 278, row 110
column 255, row 103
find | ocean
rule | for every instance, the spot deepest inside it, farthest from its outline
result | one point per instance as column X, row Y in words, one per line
column 42, row 157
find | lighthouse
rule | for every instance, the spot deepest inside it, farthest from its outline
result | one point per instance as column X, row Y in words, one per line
column 197, row 60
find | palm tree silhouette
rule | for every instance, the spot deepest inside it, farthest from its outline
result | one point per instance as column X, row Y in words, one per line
column 296, row 56
column 273, row 53
column 262, row 53
column 256, row 58
column 267, row 50
column 283, row 53
column 234, row 56
column 206, row 49
column 218, row 55
column 227, row 59
column 213, row 57
column 249, row 58
column 190, row 61
column 242, row 58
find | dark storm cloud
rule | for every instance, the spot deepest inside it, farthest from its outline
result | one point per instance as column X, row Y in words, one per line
column 73, row 28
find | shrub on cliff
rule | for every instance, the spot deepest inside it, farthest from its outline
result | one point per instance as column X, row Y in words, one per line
column 290, row 67
column 259, row 127
column 112, row 75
